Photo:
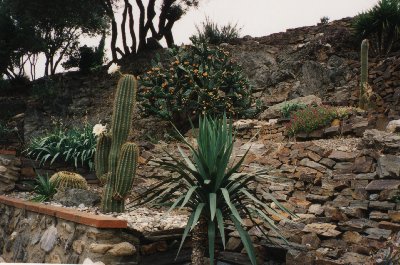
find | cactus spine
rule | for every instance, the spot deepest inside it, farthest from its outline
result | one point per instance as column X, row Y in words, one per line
column 116, row 159
column 364, row 74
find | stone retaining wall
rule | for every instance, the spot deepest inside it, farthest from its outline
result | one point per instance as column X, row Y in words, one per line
column 37, row 233
column 347, row 199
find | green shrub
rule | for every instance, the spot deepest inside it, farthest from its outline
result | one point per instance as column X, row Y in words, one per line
column 381, row 25
column 211, row 33
column 45, row 90
column 44, row 189
column 310, row 119
column 75, row 146
column 208, row 184
column 197, row 80
column 87, row 58
column 324, row 20
column 288, row 108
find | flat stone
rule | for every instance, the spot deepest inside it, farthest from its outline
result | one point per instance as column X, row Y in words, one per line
column 316, row 209
column 383, row 184
column 393, row 126
column 122, row 249
column 100, row 248
column 358, row 224
column 233, row 244
column 378, row 233
column 352, row 237
column 378, row 205
column 49, row 239
column 335, row 214
column 363, row 164
column 394, row 216
column 309, row 163
column 389, row 166
column 323, row 229
column 317, row 198
column 311, row 241
column 327, row 162
column 378, row 216
column 389, row 226
column 343, row 156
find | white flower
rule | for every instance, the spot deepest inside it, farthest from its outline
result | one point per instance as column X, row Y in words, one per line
column 113, row 68
column 99, row 129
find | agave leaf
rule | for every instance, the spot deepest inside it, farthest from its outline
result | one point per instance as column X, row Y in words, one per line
column 211, row 241
column 220, row 220
column 244, row 236
column 213, row 205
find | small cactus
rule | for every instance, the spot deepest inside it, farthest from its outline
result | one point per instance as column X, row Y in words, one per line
column 363, row 101
column 68, row 180
column 115, row 158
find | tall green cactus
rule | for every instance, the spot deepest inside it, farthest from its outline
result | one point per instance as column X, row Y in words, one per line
column 116, row 159
column 363, row 101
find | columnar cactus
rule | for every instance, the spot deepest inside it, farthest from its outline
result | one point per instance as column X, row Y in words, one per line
column 115, row 158
column 364, row 74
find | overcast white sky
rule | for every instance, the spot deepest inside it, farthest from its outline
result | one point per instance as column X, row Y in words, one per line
column 263, row 17
column 255, row 17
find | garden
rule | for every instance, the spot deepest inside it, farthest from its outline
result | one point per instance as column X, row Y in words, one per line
column 282, row 149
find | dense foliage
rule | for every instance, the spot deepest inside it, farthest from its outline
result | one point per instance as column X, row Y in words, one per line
column 381, row 25
column 51, row 28
column 87, row 58
column 209, row 185
column 75, row 146
column 311, row 118
column 211, row 32
column 197, row 80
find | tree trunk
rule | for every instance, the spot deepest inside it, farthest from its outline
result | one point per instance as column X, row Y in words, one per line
column 199, row 242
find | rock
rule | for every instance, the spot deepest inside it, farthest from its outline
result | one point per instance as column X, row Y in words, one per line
column 352, row 237
column 311, row 241
column 343, row 156
column 335, row 214
column 294, row 257
column 363, row 164
column 393, row 126
column 75, row 197
column 122, row 249
column 316, row 209
column 155, row 247
column 378, row 140
column 2, row 260
column 317, row 198
column 233, row 244
column 49, row 239
column 309, row 163
column 389, row 166
column 378, row 205
column 354, row 259
column 327, row 162
column 275, row 110
column 378, row 233
column 323, row 229
column 89, row 261
column 78, row 246
column 394, row 216
column 100, row 248
column 389, row 226
column 383, row 184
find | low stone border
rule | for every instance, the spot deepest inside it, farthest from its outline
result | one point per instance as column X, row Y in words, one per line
column 92, row 220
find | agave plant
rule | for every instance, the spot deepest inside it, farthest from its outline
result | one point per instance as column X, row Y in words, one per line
column 213, row 191
column 44, row 189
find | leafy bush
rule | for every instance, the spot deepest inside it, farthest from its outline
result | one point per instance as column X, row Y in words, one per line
column 45, row 90
column 381, row 25
column 44, row 189
column 211, row 33
column 288, row 108
column 311, row 118
column 198, row 80
column 87, row 58
column 324, row 20
column 75, row 146
column 210, row 187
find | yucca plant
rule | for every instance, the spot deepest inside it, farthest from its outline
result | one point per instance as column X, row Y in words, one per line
column 213, row 191
column 44, row 189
